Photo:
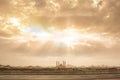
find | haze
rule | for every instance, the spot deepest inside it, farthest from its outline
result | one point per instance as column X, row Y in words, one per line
column 41, row 32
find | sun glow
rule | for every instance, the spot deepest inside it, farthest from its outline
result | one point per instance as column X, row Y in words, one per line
column 68, row 37
column 14, row 21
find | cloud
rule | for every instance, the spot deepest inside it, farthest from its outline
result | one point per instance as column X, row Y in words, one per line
column 91, row 16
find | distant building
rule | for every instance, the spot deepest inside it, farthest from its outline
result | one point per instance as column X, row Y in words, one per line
column 60, row 65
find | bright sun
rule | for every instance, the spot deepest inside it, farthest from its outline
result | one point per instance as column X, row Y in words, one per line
column 68, row 36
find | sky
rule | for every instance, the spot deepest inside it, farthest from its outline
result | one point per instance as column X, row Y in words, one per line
column 41, row 32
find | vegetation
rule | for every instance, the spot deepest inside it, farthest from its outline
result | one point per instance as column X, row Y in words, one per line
column 6, row 69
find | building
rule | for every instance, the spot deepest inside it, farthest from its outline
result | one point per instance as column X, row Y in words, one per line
column 60, row 65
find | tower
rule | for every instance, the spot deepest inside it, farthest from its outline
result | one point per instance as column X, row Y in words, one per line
column 57, row 63
column 64, row 63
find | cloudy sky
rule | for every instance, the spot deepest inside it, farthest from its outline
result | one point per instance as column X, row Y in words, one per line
column 41, row 32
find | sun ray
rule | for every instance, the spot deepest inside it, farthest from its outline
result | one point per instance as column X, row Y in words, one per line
column 68, row 37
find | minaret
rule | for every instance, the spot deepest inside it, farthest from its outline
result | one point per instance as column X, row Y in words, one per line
column 57, row 63
column 64, row 63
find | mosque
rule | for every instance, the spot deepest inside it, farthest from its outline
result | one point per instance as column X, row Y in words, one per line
column 60, row 65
